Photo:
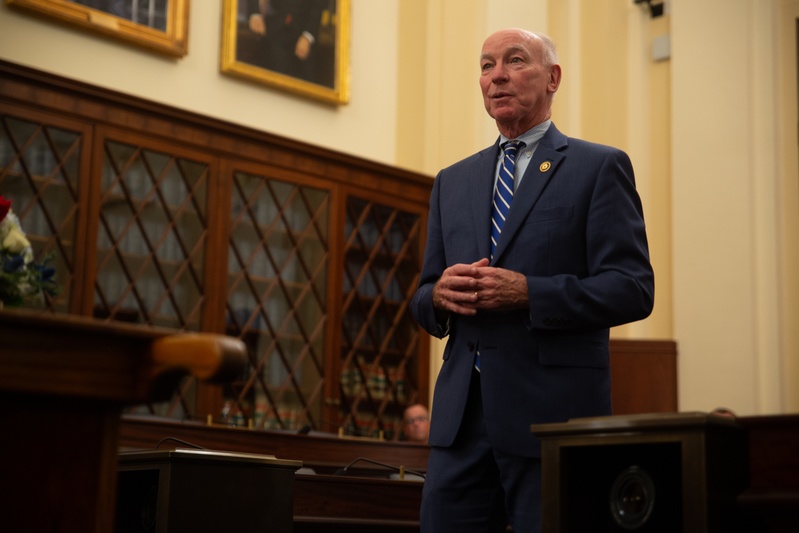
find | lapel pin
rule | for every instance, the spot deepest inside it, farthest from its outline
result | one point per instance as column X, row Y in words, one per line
column 546, row 165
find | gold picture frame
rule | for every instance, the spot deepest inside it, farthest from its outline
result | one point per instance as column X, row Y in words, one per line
column 312, row 62
column 158, row 25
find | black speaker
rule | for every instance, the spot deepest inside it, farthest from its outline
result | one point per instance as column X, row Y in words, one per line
column 174, row 491
column 659, row 473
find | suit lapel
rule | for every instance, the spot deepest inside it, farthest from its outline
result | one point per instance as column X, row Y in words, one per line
column 540, row 171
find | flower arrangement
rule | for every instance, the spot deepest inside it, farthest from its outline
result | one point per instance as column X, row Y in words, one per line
column 21, row 280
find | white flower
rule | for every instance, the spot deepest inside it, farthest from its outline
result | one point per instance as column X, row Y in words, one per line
column 6, row 225
column 15, row 241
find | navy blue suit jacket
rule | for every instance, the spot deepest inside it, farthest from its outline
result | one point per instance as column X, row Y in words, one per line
column 576, row 231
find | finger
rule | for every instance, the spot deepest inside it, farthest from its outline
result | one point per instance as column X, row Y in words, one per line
column 463, row 309
column 458, row 283
column 459, row 270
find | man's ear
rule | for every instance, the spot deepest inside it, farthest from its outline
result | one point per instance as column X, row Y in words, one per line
column 554, row 78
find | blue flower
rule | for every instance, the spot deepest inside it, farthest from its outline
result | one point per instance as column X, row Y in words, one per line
column 46, row 274
column 13, row 263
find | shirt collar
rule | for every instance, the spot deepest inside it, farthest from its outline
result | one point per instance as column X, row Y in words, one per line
column 530, row 137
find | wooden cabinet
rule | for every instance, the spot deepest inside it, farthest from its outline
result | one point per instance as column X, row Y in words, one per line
column 166, row 218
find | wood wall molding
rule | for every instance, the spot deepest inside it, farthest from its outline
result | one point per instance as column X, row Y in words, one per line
column 112, row 108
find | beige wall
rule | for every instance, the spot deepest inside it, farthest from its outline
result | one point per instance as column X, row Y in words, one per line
column 366, row 127
column 711, row 132
column 735, row 203
column 787, row 171
column 614, row 93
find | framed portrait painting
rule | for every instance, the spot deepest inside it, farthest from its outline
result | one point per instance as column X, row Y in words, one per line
column 301, row 46
column 159, row 25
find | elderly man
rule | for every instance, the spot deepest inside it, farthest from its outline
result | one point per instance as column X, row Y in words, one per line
column 536, row 246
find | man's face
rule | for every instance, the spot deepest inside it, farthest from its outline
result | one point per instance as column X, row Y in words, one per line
column 416, row 424
column 517, row 86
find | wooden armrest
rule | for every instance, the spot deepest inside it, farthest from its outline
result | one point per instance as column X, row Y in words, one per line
column 206, row 356
column 77, row 356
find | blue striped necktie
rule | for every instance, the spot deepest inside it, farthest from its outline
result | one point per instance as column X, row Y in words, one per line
column 503, row 193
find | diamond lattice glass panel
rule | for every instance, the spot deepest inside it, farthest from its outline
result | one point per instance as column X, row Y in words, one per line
column 39, row 174
column 277, row 284
column 379, row 335
column 152, row 238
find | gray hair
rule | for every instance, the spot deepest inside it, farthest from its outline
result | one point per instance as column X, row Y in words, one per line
column 550, row 51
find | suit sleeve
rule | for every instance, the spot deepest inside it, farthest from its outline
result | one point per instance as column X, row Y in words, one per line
column 617, row 286
column 311, row 16
column 434, row 264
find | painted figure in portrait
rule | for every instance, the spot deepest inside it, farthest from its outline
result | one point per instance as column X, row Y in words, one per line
column 291, row 37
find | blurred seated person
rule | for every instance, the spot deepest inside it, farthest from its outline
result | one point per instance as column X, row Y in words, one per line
column 416, row 423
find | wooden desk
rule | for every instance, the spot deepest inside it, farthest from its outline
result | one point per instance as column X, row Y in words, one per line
column 63, row 383
column 771, row 502
column 325, row 453
column 341, row 504
column 201, row 491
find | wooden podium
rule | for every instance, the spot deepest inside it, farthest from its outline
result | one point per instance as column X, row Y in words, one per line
column 650, row 473
column 64, row 381
column 171, row 491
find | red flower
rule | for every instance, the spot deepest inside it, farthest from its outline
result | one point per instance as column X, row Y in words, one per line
column 5, row 207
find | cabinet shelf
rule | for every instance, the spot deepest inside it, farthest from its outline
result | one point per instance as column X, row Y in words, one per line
column 15, row 177
column 295, row 286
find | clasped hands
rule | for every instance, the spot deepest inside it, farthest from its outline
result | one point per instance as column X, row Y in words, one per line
column 465, row 289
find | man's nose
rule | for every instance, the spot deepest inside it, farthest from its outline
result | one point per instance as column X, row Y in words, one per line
column 499, row 74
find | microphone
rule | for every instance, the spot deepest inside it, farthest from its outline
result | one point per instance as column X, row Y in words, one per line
column 401, row 469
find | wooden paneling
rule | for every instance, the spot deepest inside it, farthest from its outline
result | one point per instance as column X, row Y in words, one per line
column 644, row 374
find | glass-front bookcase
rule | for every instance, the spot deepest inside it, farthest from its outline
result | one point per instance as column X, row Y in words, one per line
column 164, row 219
